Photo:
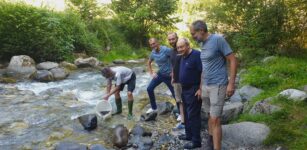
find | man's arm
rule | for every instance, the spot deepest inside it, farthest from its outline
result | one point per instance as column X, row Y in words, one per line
column 109, row 86
column 149, row 67
column 233, row 71
column 117, row 88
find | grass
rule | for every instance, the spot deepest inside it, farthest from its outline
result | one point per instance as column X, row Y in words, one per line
column 124, row 54
column 289, row 125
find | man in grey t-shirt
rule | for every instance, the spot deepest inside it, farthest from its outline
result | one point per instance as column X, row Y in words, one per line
column 215, row 51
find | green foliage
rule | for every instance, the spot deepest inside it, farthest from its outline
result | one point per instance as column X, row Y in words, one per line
column 42, row 34
column 288, row 126
column 257, row 28
column 279, row 73
column 141, row 18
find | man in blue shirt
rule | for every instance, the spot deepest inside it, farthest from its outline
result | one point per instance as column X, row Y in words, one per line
column 190, row 80
column 161, row 55
column 215, row 52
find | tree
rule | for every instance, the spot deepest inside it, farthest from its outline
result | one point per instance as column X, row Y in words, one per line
column 141, row 18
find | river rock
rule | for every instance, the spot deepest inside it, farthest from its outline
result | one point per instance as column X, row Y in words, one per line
column 294, row 94
column 245, row 134
column 47, row 65
column 269, row 59
column 43, row 76
column 231, row 111
column 68, row 66
column 247, row 92
column 70, row 146
column 97, row 147
column 7, row 80
column 149, row 117
column 264, row 107
column 165, row 107
column 56, row 136
column 142, row 143
column 140, row 131
column 305, row 88
column 136, row 61
column 89, row 122
column 86, row 62
column 59, row 73
column 22, row 64
column 120, row 136
column 51, row 92
column 118, row 61
column 138, row 70
column 236, row 97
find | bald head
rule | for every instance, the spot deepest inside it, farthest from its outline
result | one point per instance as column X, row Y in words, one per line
column 154, row 43
column 183, row 46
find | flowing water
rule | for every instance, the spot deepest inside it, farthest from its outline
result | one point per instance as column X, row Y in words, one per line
column 35, row 115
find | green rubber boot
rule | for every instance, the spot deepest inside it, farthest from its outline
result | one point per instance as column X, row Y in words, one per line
column 118, row 103
column 130, row 107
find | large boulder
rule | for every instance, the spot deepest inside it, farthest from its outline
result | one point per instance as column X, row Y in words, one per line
column 89, row 122
column 165, row 108
column 305, row 88
column 70, row 146
column 68, row 66
column 236, row 97
column 22, row 64
column 231, row 111
column 264, row 107
column 294, row 94
column 43, row 76
column 86, row 62
column 47, row 65
column 119, row 61
column 97, row 147
column 269, row 59
column 247, row 92
column 59, row 73
column 138, row 70
column 245, row 134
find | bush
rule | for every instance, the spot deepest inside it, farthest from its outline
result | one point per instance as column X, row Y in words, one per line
column 42, row 34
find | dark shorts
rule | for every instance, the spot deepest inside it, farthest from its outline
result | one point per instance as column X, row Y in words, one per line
column 130, row 83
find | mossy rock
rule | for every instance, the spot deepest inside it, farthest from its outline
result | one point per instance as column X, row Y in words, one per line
column 7, row 80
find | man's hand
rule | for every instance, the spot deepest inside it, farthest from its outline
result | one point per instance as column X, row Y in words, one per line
column 154, row 75
column 230, row 90
column 106, row 97
column 198, row 94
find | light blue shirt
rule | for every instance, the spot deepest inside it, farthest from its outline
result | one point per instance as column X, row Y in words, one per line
column 162, row 59
column 213, row 52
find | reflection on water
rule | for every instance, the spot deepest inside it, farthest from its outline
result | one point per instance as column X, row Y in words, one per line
column 34, row 120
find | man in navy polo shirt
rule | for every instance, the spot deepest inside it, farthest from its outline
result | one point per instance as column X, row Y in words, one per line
column 190, row 79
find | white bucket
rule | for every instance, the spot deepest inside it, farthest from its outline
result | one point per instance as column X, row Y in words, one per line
column 104, row 109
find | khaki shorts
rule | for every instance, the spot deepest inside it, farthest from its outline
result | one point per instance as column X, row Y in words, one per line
column 213, row 97
column 178, row 91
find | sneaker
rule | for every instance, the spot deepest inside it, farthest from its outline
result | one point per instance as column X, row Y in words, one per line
column 179, row 126
column 179, row 118
column 150, row 110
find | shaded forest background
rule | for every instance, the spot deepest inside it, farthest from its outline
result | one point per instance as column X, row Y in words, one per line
column 254, row 28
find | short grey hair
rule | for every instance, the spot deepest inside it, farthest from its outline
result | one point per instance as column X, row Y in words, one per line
column 200, row 25
column 185, row 40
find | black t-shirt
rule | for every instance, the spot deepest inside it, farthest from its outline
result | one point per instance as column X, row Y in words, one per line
column 175, row 61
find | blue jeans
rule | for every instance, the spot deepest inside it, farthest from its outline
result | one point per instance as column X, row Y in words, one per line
column 154, row 83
